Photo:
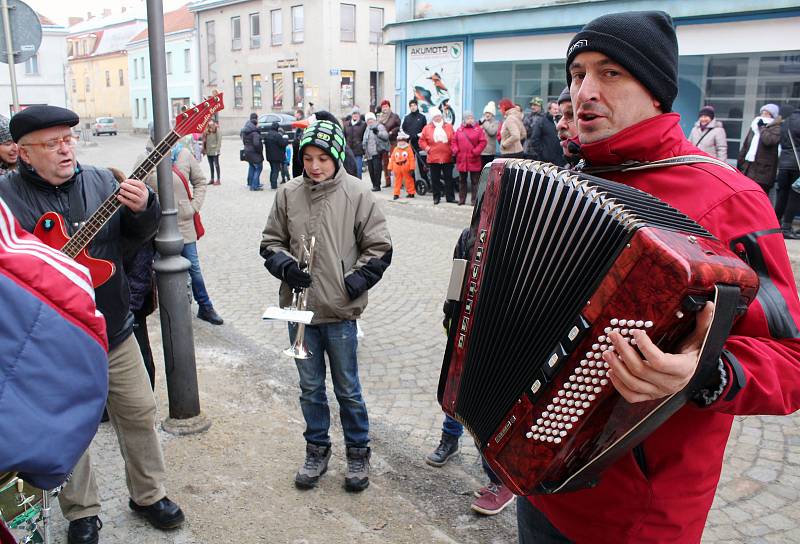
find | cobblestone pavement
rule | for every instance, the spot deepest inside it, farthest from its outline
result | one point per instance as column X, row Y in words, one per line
column 400, row 358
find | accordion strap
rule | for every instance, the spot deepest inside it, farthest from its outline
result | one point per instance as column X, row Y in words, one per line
column 662, row 163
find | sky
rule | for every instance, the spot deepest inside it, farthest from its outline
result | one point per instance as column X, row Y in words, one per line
column 61, row 11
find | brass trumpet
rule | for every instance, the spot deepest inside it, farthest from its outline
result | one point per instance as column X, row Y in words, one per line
column 298, row 349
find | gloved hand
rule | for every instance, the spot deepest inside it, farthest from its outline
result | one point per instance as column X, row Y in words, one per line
column 761, row 123
column 296, row 278
column 375, row 130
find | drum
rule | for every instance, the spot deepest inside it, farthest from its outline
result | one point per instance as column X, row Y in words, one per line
column 20, row 508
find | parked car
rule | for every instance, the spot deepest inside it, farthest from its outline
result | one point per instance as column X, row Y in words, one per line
column 285, row 120
column 104, row 125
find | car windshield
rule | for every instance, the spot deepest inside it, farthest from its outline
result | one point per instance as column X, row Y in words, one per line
column 105, row 120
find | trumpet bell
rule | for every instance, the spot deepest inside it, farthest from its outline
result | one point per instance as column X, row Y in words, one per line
column 298, row 351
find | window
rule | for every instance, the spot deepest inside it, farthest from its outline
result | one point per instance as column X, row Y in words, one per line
column 347, row 22
column 70, row 49
column 108, row 78
column 32, row 66
column 297, row 24
column 375, row 25
column 211, row 50
column 141, row 67
column 347, row 89
column 187, row 60
column 299, row 89
column 255, row 85
column 238, row 98
column 144, row 108
column 87, row 84
column 135, row 68
column 277, row 91
column 255, row 31
column 236, row 33
column 169, row 62
column 136, row 103
column 277, row 27
column 121, row 75
column 74, row 85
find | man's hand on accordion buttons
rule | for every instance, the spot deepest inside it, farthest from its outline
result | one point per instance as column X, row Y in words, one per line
column 659, row 374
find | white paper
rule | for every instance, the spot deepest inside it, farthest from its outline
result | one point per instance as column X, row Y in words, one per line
column 284, row 314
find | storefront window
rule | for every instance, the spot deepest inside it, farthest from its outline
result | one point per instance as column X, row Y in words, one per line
column 255, row 81
column 277, row 91
column 238, row 92
column 347, row 89
column 299, row 89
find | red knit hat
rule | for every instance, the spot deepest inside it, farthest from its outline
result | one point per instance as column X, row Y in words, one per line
column 505, row 105
column 385, row 102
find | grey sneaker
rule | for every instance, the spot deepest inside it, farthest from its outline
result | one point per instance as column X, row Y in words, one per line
column 357, row 477
column 315, row 465
column 448, row 447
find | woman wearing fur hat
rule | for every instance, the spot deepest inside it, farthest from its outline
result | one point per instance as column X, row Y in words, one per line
column 8, row 149
column 436, row 141
column 513, row 133
column 468, row 142
column 376, row 144
column 758, row 156
column 708, row 134
column 489, row 125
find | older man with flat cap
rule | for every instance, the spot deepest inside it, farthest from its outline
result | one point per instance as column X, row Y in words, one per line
column 622, row 76
column 49, row 178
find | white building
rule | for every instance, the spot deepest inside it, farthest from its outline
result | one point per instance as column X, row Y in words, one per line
column 280, row 55
column 182, row 72
column 40, row 80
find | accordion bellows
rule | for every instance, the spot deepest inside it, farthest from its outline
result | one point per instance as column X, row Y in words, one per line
column 559, row 260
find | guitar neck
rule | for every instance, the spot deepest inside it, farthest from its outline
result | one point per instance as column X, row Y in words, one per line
column 86, row 233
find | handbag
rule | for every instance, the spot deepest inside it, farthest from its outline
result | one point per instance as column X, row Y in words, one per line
column 199, row 229
column 242, row 155
column 795, row 183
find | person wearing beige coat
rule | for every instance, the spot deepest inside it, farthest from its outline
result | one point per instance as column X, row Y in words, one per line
column 187, row 206
column 513, row 133
column 708, row 134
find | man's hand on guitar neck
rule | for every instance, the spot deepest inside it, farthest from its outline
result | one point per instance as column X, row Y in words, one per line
column 133, row 194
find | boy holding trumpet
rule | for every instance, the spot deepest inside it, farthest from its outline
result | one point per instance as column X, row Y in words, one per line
column 352, row 250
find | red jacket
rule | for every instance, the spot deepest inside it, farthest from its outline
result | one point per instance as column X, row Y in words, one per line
column 683, row 458
column 467, row 145
column 438, row 153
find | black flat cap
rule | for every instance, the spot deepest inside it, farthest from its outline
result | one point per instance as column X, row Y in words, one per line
column 38, row 117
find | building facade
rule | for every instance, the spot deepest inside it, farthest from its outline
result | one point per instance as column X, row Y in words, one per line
column 97, row 67
column 182, row 68
column 40, row 80
column 735, row 56
column 282, row 55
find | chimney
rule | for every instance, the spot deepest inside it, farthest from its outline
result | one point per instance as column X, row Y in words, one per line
column 106, row 12
column 74, row 21
column 88, row 15
column 124, row 9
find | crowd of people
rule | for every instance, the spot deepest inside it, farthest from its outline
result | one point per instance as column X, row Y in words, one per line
column 615, row 111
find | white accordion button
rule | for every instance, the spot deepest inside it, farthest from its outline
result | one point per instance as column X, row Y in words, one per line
column 614, row 321
column 648, row 324
column 639, row 323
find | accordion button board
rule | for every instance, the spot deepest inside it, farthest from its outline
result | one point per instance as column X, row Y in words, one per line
column 560, row 261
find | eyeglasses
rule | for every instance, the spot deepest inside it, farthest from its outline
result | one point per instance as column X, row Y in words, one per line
column 70, row 140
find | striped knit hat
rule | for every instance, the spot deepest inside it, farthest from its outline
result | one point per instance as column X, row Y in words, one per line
column 327, row 136
column 5, row 132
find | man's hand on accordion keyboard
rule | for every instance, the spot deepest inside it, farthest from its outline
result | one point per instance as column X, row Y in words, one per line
column 659, row 374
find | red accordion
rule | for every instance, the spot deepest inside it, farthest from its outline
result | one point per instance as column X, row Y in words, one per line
column 560, row 260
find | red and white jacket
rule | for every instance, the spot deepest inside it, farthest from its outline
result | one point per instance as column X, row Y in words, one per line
column 667, row 498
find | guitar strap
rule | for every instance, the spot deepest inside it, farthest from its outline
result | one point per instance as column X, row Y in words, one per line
column 77, row 208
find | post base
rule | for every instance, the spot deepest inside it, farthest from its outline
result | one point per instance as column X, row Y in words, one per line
column 182, row 427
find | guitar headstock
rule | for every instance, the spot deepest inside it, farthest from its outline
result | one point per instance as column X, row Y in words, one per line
column 195, row 118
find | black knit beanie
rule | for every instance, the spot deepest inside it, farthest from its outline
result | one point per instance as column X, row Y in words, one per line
column 643, row 42
column 327, row 136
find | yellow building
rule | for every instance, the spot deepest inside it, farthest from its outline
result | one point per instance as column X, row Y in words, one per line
column 97, row 68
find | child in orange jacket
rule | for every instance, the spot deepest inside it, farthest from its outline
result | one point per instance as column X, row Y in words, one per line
column 402, row 165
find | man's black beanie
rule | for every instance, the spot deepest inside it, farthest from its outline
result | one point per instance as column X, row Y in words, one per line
column 643, row 42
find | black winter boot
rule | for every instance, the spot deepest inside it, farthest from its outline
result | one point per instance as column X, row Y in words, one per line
column 448, row 447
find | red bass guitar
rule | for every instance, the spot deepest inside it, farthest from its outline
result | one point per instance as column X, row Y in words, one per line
column 52, row 229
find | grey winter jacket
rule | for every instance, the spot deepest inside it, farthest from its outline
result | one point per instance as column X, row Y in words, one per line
column 713, row 139
column 353, row 246
column 490, row 128
column 373, row 143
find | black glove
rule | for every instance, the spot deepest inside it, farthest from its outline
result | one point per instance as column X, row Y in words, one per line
column 375, row 130
column 296, row 278
column 761, row 123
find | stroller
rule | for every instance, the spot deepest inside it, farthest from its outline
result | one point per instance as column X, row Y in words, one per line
column 421, row 180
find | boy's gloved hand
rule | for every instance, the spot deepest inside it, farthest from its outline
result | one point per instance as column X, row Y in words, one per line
column 296, row 278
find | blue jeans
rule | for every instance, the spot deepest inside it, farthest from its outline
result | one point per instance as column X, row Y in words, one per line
column 339, row 341
column 198, row 284
column 533, row 527
column 254, row 174
column 359, row 165
column 454, row 428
